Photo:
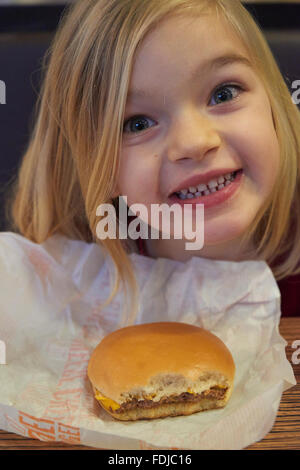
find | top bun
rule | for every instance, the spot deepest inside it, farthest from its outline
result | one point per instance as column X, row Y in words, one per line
column 161, row 359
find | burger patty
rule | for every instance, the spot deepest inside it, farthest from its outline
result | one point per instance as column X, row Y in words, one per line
column 214, row 393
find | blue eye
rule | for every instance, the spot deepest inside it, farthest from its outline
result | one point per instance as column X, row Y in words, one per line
column 135, row 124
column 224, row 94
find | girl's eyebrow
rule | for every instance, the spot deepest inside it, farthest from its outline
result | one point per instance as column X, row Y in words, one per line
column 206, row 67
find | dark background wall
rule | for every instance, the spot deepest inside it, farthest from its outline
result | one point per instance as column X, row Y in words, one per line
column 25, row 35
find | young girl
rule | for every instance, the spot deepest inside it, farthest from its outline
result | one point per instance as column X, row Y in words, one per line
column 165, row 101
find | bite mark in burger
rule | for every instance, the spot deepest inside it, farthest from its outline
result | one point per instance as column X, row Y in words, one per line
column 155, row 370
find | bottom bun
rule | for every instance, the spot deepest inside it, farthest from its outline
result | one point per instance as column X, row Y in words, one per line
column 167, row 409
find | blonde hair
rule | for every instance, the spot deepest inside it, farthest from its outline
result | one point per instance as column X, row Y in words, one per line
column 72, row 160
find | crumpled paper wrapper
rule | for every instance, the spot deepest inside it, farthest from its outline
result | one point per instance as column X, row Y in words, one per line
column 51, row 319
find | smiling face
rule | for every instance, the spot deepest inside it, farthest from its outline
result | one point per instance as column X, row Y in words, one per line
column 194, row 114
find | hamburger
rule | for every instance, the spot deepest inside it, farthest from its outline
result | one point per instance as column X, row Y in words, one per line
column 155, row 370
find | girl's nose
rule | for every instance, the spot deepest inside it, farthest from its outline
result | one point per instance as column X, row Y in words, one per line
column 192, row 135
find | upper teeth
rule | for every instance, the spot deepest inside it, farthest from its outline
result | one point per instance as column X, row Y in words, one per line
column 210, row 185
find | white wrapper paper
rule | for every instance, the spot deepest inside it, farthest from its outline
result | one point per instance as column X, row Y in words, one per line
column 51, row 319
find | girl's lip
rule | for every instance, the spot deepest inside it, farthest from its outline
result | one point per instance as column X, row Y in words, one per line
column 213, row 199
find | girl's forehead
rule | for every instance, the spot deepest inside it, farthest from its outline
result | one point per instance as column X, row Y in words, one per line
column 184, row 43
column 188, row 37
column 203, row 29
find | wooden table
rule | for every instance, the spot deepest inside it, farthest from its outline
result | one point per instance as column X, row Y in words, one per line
column 284, row 435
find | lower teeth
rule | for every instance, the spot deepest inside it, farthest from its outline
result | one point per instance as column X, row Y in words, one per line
column 211, row 191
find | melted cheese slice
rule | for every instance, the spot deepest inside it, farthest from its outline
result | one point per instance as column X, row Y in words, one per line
column 107, row 402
